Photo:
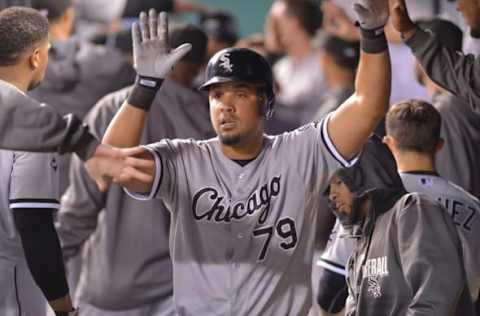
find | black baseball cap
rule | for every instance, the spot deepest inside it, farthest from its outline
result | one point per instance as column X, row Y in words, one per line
column 221, row 26
column 53, row 9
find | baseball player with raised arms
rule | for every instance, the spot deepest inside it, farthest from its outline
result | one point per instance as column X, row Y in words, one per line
column 244, row 204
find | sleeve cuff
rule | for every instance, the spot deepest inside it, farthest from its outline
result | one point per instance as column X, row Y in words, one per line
column 34, row 204
column 419, row 38
column 333, row 267
column 156, row 181
column 331, row 147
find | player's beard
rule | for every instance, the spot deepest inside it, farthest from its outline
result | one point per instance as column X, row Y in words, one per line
column 230, row 140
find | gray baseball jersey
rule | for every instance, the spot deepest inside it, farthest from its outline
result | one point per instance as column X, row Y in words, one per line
column 338, row 250
column 464, row 209
column 242, row 237
column 28, row 180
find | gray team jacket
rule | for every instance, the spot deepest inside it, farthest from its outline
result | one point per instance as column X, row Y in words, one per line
column 458, row 160
column 408, row 261
column 126, row 262
column 27, row 125
column 454, row 71
column 79, row 74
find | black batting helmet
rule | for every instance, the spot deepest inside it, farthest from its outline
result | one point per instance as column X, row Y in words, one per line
column 242, row 65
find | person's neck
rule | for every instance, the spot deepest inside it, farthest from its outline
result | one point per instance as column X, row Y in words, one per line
column 10, row 75
column 412, row 161
column 184, row 81
column 245, row 151
column 300, row 49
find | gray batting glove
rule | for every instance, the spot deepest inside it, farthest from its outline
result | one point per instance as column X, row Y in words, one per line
column 371, row 14
column 152, row 57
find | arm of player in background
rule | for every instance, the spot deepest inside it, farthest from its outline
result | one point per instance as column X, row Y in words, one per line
column 27, row 125
column 43, row 255
column 353, row 122
column 429, row 253
column 82, row 202
column 452, row 70
column 81, row 205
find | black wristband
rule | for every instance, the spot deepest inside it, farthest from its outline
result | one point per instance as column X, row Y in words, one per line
column 144, row 92
column 373, row 41
column 58, row 313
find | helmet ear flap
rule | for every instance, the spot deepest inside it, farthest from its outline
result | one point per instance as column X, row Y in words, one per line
column 265, row 104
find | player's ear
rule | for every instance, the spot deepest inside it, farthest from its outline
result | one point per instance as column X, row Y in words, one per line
column 34, row 59
column 388, row 140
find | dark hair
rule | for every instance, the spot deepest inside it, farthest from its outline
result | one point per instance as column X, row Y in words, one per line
column 54, row 9
column 188, row 33
column 308, row 14
column 415, row 125
column 221, row 26
column 20, row 29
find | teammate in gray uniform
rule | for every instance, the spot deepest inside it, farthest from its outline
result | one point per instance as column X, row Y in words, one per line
column 243, row 203
column 452, row 70
column 413, row 136
column 408, row 259
column 79, row 73
column 126, row 263
column 458, row 160
column 30, row 254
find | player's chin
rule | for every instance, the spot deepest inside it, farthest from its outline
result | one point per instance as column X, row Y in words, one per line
column 230, row 139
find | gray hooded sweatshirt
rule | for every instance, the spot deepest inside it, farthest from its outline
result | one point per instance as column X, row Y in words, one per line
column 408, row 260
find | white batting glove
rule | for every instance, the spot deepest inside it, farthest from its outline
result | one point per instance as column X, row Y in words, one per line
column 371, row 14
column 152, row 56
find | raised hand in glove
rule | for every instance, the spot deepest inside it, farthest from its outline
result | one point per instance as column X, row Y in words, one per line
column 152, row 57
column 371, row 14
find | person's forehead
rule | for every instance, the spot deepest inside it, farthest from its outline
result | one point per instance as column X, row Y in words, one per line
column 234, row 85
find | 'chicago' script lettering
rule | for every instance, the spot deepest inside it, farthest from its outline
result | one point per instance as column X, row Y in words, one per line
column 209, row 205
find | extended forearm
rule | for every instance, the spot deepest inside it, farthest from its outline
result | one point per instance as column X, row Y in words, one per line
column 125, row 130
column 450, row 69
column 28, row 126
column 373, row 85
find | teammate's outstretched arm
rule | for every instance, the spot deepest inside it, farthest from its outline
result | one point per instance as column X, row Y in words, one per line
column 353, row 122
column 152, row 60
column 452, row 70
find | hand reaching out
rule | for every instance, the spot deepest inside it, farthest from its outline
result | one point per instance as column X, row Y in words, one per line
column 400, row 18
column 133, row 168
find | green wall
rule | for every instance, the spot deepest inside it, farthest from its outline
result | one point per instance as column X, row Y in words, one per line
column 250, row 13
